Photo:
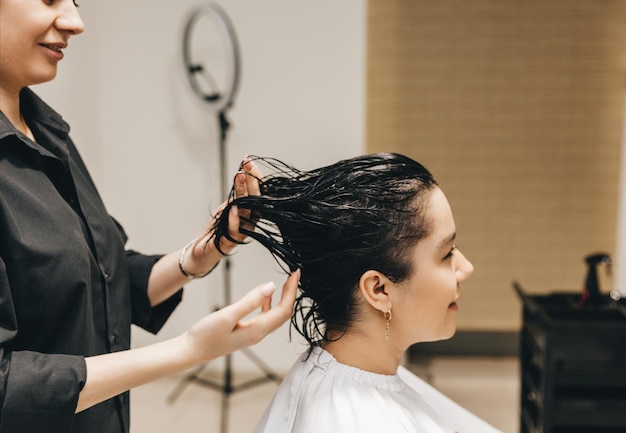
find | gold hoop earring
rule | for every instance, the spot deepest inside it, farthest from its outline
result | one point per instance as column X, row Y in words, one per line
column 387, row 316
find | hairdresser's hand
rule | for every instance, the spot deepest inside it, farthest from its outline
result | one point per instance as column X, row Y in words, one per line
column 204, row 255
column 246, row 183
column 226, row 331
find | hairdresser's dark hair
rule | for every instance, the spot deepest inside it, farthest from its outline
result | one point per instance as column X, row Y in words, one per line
column 334, row 223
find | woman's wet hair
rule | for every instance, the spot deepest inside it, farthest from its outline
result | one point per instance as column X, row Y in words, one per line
column 334, row 223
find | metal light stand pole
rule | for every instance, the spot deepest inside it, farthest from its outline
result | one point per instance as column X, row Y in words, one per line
column 220, row 102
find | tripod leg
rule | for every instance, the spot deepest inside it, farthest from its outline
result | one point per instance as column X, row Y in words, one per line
column 227, row 390
column 224, row 415
column 183, row 384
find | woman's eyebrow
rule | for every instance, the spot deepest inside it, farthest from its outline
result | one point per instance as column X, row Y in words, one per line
column 447, row 241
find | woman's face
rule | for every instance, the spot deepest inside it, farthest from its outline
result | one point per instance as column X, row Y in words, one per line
column 33, row 34
column 425, row 308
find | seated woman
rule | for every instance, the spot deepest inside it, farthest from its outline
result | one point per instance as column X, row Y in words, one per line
column 374, row 238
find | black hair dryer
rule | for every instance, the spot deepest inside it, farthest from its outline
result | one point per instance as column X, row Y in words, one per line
column 591, row 290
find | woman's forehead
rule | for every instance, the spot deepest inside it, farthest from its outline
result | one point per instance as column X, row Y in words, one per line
column 438, row 216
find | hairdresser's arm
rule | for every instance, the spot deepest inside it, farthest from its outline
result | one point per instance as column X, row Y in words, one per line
column 166, row 277
column 215, row 335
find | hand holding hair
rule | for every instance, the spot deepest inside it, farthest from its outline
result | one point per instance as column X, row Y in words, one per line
column 200, row 256
column 246, row 183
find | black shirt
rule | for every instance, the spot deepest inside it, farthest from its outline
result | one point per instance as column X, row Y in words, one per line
column 68, row 288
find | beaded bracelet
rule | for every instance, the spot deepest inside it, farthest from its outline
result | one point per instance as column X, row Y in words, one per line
column 182, row 267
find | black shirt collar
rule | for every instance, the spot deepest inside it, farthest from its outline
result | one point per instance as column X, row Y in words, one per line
column 41, row 119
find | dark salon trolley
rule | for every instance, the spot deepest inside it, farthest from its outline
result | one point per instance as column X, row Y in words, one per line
column 573, row 365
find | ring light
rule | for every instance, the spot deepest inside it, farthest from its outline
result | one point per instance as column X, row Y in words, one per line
column 200, row 79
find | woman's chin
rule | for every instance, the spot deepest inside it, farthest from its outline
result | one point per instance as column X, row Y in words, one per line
column 444, row 335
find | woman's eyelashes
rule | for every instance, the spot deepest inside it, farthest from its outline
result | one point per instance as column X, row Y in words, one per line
column 51, row 2
column 450, row 253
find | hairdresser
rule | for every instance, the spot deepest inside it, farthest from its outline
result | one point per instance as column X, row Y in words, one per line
column 69, row 291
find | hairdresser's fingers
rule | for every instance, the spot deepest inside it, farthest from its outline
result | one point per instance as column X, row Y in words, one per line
column 241, row 182
column 253, row 188
column 241, row 190
column 271, row 319
column 267, row 304
column 226, row 331
column 222, row 332
column 290, row 288
column 234, row 220
column 241, row 186
column 252, row 179
column 250, row 302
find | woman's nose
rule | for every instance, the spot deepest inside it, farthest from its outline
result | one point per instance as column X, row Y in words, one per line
column 69, row 19
column 465, row 268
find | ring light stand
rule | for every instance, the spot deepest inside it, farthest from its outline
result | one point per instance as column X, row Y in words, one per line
column 219, row 102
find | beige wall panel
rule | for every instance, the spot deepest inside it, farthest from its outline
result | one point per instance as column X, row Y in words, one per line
column 517, row 109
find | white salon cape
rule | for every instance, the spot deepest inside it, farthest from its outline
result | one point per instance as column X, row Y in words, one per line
column 320, row 395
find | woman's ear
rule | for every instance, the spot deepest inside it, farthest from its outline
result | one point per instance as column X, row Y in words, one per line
column 374, row 287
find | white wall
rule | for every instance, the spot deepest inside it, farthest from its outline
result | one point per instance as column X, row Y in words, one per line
column 152, row 145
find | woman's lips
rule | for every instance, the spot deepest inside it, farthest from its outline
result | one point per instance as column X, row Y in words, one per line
column 53, row 51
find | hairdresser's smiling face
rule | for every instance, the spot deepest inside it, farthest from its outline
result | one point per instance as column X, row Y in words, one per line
column 425, row 306
column 33, row 34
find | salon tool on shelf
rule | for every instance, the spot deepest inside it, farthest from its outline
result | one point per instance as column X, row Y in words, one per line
column 591, row 294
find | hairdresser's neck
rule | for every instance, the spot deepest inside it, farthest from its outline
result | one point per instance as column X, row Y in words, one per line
column 10, row 105
column 366, row 352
